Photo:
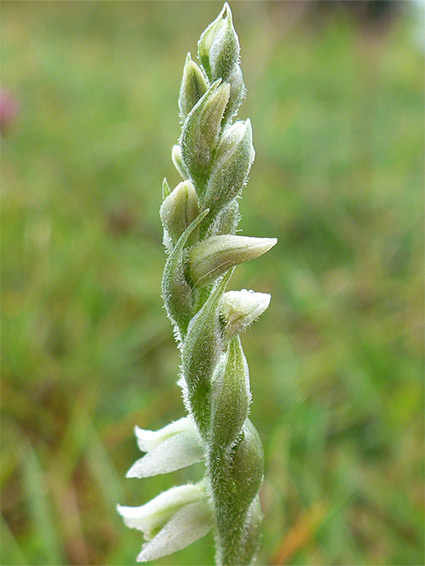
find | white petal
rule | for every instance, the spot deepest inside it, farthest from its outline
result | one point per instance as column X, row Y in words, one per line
column 159, row 510
column 147, row 440
column 190, row 523
column 177, row 451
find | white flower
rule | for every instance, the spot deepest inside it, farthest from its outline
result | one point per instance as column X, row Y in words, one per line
column 189, row 524
column 175, row 446
column 171, row 521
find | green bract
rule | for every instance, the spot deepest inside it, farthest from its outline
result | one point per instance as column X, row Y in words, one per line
column 200, row 218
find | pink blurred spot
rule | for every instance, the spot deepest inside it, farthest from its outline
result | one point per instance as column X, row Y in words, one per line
column 9, row 110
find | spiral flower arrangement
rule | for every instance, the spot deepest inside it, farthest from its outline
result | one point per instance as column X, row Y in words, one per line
column 200, row 217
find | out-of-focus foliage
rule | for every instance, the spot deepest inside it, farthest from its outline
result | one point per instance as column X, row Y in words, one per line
column 337, row 112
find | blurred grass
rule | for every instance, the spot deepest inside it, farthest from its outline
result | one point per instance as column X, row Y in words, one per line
column 336, row 364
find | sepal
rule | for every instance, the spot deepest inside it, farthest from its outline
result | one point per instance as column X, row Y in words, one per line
column 192, row 89
column 212, row 257
column 240, row 308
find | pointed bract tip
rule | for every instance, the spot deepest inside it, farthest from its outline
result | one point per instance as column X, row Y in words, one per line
column 166, row 190
column 226, row 12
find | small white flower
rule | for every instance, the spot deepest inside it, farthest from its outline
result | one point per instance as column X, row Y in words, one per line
column 172, row 520
column 189, row 524
column 171, row 448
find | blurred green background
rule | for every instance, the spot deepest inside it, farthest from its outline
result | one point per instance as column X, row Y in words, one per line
column 335, row 95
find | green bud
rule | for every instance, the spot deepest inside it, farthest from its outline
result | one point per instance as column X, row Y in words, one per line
column 230, row 396
column 179, row 210
column 201, row 131
column 176, row 156
column 212, row 257
column 231, row 166
column 201, row 351
column 218, row 51
column 240, row 308
column 247, row 466
column 176, row 291
column 207, row 39
column 192, row 89
column 218, row 47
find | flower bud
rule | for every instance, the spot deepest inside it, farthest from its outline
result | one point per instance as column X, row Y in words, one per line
column 218, row 51
column 240, row 308
column 218, row 47
column 177, row 159
column 201, row 131
column 179, row 210
column 176, row 291
column 193, row 87
column 201, row 351
column 212, row 257
column 231, row 166
column 247, row 466
column 230, row 396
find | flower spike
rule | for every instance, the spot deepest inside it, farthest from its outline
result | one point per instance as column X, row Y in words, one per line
column 213, row 156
